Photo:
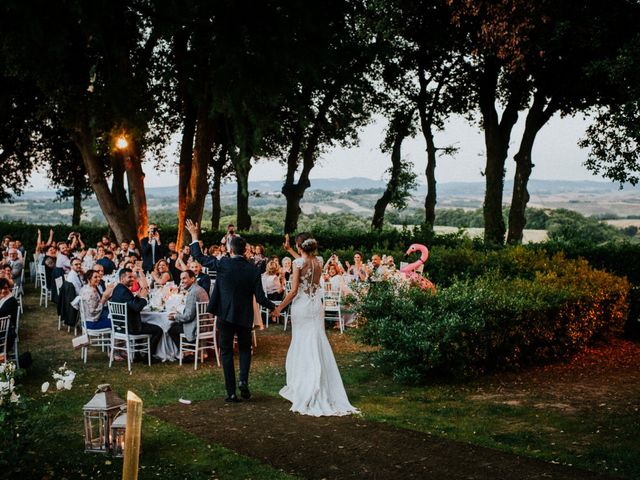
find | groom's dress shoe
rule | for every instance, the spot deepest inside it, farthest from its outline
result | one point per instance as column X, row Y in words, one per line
column 232, row 399
column 244, row 391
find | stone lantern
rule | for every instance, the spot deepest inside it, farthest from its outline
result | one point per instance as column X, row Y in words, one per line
column 99, row 414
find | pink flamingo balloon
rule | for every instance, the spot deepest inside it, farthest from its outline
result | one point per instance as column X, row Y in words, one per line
column 409, row 271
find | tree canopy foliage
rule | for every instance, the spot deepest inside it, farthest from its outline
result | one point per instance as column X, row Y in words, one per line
column 284, row 81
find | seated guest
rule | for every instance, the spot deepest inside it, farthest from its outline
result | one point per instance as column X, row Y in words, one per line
column 182, row 262
column 259, row 260
column 125, row 250
column 42, row 246
column 106, row 261
column 75, row 275
column 62, row 260
column 5, row 242
column 249, row 252
column 89, row 259
column 17, row 265
column 334, row 281
column 160, row 275
column 133, row 248
column 286, row 268
column 214, row 251
column 202, row 278
column 49, row 262
column 273, row 281
column 172, row 262
column 20, row 249
column 377, row 267
column 140, row 279
column 5, row 272
column 357, row 270
column 8, row 307
column 186, row 322
column 135, row 304
column 334, row 260
column 99, row 269
column 96, row 312
column 391, row 264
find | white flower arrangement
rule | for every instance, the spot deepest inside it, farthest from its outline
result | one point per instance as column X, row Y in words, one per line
column 8, row 394
column 63, row 377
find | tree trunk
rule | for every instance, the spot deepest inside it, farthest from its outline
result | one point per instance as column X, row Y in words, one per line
column 294, row 192
column 137, row 194
column 218, row 167
column 290, row 189
column 497, row 134
column 118, row 219
column 242, row 166
column 184, row 168
column 537, row 116
column 197, row 186
column 431, row 198
column 293, row 195
column 396, row 168
column 77, row 201
column 189, row 120
column 427, row 115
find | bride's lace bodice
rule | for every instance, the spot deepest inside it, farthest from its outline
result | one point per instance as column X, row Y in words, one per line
column 310, row 274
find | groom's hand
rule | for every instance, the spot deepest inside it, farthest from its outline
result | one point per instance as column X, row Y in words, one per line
column 193, row 228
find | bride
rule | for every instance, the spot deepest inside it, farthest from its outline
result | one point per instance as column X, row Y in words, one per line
column 314, row 386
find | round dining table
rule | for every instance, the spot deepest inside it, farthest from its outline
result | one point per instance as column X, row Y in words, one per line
column 167, row 351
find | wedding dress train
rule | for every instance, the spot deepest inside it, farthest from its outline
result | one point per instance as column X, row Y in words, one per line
column 314, row 385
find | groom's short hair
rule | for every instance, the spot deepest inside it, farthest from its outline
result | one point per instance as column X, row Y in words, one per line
column 238, row 245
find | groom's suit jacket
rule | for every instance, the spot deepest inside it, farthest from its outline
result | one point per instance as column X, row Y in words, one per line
column 237, row 281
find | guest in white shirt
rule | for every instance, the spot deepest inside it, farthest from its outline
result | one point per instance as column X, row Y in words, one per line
column 62, row 260
column 231, row 232
column 74, row 277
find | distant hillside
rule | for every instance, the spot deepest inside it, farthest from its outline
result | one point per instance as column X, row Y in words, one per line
column 356, row 196
column 466, row 189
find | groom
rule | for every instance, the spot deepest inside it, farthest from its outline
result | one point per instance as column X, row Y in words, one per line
column 237, row 281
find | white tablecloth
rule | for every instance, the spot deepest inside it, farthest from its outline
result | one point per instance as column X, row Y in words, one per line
column 167, row 350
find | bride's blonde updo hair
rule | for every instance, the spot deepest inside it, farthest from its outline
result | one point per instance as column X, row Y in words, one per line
column 309, row 246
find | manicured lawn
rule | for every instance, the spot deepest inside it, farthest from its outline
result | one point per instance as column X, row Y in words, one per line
column 556, row 413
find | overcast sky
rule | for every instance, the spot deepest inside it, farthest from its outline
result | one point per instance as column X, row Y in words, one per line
column 555, row 155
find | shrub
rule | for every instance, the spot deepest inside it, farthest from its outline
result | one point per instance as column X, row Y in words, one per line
column 489, row 322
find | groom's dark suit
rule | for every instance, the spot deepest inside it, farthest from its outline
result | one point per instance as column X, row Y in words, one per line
column 237, row 281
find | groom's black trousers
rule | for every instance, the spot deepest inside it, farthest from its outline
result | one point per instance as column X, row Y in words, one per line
column 227, row 332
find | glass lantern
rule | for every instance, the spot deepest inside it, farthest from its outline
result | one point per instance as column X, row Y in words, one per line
column 118, row 429
column 99, row 414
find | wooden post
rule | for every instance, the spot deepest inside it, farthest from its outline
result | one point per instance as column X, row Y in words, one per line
column 132, row 437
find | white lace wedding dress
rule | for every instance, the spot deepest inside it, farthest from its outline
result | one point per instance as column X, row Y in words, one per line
column 314, row 386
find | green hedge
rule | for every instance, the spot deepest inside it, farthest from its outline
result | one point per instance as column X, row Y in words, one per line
column 344, row 242
column 453, row 257
column 552, row 310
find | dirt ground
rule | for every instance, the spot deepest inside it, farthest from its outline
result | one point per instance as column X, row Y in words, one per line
column 349, row 447
column 606, row 376
column 352, row 448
